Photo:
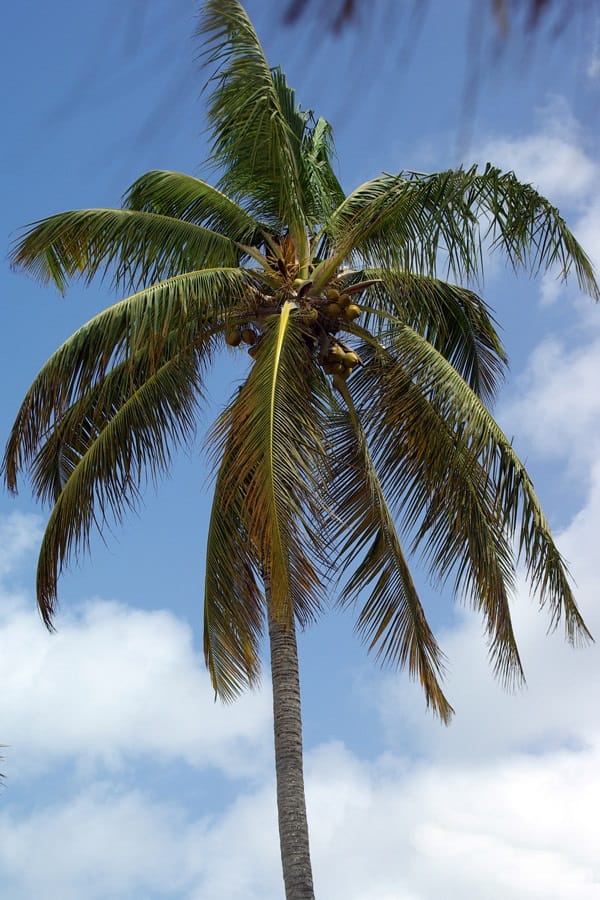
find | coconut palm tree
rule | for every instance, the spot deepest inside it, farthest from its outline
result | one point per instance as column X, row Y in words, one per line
column 362, row 431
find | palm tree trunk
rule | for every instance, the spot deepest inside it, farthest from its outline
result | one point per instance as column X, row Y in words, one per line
column 291, row 804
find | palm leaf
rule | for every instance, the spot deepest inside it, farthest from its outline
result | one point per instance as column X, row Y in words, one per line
column 460, row 482
column 233, row 603
column 453, row 319
column 321, row 188
column 271, row 434
column 255, row 124
column 150, row 325
column 113, row 455
column 192, row 200
column 134, row 247
column 420, row 222
column 392, row 618
column 440, row 490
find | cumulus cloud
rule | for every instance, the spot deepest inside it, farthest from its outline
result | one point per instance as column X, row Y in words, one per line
column 556, row 403
column 553, row 158
column 389, row 829
column 114, row 683
column 19, row 533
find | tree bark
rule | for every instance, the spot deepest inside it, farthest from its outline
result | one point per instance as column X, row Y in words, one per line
column 291, row 803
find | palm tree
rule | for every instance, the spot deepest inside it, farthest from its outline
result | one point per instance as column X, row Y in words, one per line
column 361, row 432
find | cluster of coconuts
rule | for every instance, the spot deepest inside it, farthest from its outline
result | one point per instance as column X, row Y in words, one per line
column 340, row 306
column 331, row 306
column 235, row 336
column 339, row 362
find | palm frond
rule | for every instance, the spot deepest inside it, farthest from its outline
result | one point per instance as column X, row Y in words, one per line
column 134, row 248
column 392, row 619
column 111, row 457
column 321, row 188
column 144, row 329
column 181, row 196
column 439, row 489
column 420, row 223
column 459, row 481
column 255, row 124
column 234, row 606
column 453, row 319
column 272, row 436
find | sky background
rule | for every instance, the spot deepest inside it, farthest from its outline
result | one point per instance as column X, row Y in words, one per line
column 123, row 778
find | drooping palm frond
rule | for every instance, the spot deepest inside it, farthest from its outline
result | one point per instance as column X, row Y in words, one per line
column 183, row 197
column 272, row 434
column 392, row 619
column 144, row 329
column 420, row 223
column 434, row 482
column 453, row 319
column 234, row 607
column 113, row 454
column 255, row 125
column 453, row 440
column 134, row 248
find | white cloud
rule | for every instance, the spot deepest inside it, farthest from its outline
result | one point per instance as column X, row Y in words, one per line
column 19, row 533
column 116, row 682
column 552, row 158
column 523, row 828
column 556, row 405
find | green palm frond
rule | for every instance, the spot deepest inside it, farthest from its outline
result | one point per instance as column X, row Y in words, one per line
column 421, row 223
column 392, row 619
column 255, row 124
column 134, row 248
column 453, row 319
column 234, row 606
column 435, row 483
column 271, row 434
column 425, row 456
column 183, row 197
column 320, row 184
column 152, row 324
column 112, row 456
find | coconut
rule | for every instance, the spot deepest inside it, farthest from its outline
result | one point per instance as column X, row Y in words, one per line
column 249, row 336
column 332, row 294
column 350, row 359
column 311, row 314
column 344, row 300
column 351, row 312
column 233, row 337
column 333, row 310
column 336, row 353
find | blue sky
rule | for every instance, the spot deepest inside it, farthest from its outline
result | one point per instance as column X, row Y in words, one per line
column 124, row 779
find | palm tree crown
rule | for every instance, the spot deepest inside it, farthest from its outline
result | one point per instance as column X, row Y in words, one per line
column 364, row 410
